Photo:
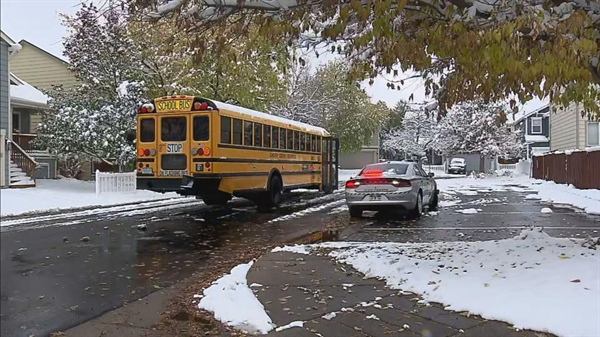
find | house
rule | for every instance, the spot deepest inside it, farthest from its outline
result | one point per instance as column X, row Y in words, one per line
column 535, row 131
column 17, row 168
column 41, row 70
column 572, row 131
column 368, row 154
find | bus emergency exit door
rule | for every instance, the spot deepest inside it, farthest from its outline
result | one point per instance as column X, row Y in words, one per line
column 329, row 172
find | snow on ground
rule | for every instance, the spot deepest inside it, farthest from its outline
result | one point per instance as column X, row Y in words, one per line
column 234, row 303
column 547, row 191
column 532, row 281
column 64, row 194
column 345, row 175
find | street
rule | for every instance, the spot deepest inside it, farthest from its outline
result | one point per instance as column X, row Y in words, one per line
column 58, row 274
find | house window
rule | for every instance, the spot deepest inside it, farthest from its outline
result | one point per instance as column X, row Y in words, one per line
column 16, row 118
column 536, row 125
column 593, row 138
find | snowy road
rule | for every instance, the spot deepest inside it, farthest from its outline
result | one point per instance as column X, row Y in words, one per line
column 60, row 272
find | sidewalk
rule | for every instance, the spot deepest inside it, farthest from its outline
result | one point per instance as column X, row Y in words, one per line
column 335, row 300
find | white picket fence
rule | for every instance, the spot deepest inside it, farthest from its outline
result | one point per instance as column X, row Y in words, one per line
column 434, row 168
column 107, row 182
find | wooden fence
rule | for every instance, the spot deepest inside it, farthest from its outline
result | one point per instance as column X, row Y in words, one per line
column 581, row 168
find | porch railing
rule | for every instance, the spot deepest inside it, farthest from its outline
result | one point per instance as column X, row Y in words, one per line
column 23, row 160
column 24, row 140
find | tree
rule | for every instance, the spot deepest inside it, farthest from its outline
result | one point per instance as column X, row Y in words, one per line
column 464, row 49
column 414, row 137
column 391, row 123
column 242, row 71
column 327, row 99
column 477, row 127
column 91, row 120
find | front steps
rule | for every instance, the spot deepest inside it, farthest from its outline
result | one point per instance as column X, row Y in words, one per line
column 18, row 178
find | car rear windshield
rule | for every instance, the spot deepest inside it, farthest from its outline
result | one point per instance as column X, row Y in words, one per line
column 386, row 168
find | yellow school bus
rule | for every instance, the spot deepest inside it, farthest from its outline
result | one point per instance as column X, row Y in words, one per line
column 214, row 150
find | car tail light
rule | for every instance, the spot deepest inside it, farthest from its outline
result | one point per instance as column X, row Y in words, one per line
column 352, row 184
column 401, row 183
column 372, row 173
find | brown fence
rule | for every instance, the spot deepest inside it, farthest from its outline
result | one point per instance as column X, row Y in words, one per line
column 581, row 169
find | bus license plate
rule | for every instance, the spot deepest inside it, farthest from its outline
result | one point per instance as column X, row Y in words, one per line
column 199, row 167
column 174, row 148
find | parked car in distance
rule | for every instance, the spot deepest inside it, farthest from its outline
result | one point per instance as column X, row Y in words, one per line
column 458, row 166
column 394, row 185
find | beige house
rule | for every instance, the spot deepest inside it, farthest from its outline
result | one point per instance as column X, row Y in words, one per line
column 368, row 154
column 570, row 131
column 42, row 70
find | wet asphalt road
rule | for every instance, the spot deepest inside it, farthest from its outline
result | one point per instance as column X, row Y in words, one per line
column 500, row 215
column 53, row 277
column 49, row 284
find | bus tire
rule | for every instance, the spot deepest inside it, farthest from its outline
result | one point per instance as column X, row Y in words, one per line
column 272, row 197
column 217, row 198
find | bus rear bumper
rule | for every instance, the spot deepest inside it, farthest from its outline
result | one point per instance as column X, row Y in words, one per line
column 162, row 185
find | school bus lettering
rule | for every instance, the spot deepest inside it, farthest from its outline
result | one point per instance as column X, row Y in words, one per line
column 174, row 105
column 172, row 173
column 175, row 148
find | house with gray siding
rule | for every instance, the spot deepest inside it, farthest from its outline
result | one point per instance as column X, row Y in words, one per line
column 535, row 131
column 16, row 167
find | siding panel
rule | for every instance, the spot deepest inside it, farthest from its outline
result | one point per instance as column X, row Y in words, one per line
column 4, row 103
column 40, row 69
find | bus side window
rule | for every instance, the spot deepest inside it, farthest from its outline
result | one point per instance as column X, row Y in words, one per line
column 296, row 140
column 267, row 136
column 302, row 142
column 319, row 141
column 275, row 138
column 248, row 133
column 225, row 130
column 290, row 139
column 237, row 131
column 282, row 141
column 257, row 134
column 313, row 143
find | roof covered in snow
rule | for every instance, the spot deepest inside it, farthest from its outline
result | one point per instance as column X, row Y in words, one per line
column 25, row 93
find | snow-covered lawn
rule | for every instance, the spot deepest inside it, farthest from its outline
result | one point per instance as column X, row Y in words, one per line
column 532, row 281
column 65, row 194
column 547, row 191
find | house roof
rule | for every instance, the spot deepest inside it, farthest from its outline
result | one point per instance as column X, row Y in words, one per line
column 23, row 42
column 26, row 94
column 7, row 38
column 544, row 109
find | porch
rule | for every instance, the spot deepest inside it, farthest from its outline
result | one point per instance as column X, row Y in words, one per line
column 46, row 164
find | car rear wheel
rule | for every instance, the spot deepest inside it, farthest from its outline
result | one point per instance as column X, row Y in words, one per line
column 355, row 212
column 433, row 204
column 418, row 210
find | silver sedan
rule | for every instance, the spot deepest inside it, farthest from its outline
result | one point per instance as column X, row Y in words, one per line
column 393, row 185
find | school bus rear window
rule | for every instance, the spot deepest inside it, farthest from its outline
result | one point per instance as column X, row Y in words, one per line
column 147, row 130
column 173, row 129
column 201, row 129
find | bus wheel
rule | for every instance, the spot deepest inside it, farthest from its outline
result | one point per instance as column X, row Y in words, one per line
column 272, row 197
column 217, row 198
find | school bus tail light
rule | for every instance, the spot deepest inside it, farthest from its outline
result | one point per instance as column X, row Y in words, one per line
column 146, row 152
column 207, row 151
column 200, row 151
column 146, row 108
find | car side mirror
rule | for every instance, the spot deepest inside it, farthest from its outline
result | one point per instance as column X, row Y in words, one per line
column 430, row 174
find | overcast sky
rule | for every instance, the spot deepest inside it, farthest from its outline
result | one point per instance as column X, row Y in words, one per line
column 38, row 22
